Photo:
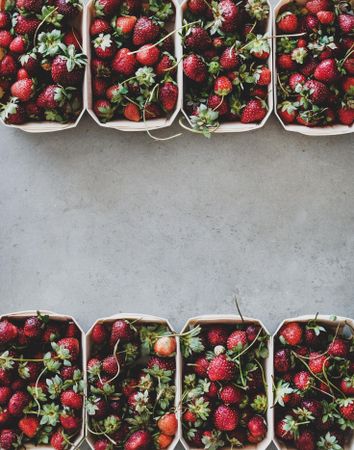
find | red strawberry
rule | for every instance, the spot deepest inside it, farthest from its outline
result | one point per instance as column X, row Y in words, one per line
column 254, row 111
column 51, row 333
column 132, row 112
column 99, row 333
column 102, row 444
column 99, row 26
column 103, row 110
column 195, row 68
column 313, row 406
column 29, row 6
column 287, row 112
column 72, row 38
column 282, row 361
column 200, row 366
column 33, row 325
column 106, row 7
column 348, row 65
column 5, row 394
column 17, row 114
column 168, row 424
column 346, row 23
column 5, row 21
column 282, row 431
column 148, row 55
column 124, row 62
column 229, row 59
column 218, row 104
column 152, row 111
column 291, row 334
column 51, row 97
column 310, row 23
column 145, row 31
column 319, row 92
column 338, row 348
column 121, row 330
column 347, row 409
column 326, row 71
column 303, row 380
column 347, row 386
column 8, row 331
column 8, row 68
column 346, row 115
column 348, row 85
column 7, row 439
column 287, row 22
column 100, row 68
column 69, row 422
column 225, row 418
column 71, row 330
column 230, row 395
column 164, row 65
column 68, row 68
column 161, row 363
column 257, row 426
column 26, row 25
column 5, row 38
column 229, row 13
column 314, row 6
column 104, row 46
column 57, row 441
column 18, row 401
column 295, row 79
column 71, row 344
column 220, row 368
column 197, row 39
column 139, row 440
column 30, row 63
column 126, row 24
column 110, row 365
column 326, row 17
column 71, row 399
column 285, row 62
column 222, row 87
column 4, row 417
column 264, row 76
column 237, row 339
column 197, row 7
column 308, row 68
column 318, row 362
column 306, row 439
column 29, row 426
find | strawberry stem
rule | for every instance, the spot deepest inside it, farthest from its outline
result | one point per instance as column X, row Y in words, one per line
column 41, row 23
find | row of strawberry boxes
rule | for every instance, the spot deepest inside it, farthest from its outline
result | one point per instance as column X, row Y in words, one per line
column 148, row 91
column 133, row 383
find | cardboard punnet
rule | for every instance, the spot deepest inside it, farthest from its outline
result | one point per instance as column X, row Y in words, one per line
column 230, row 319
column 20, row 315
column 327, row 320
column 46, row 126
column 238, row 127
column 123, row 124
column 141, row 318
column 331, row 130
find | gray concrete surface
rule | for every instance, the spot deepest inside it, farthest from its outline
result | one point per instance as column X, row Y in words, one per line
column 96, row 222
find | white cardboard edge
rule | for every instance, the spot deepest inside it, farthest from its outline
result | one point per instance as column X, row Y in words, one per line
column 62, row 318
column 49, row 127
column 143, row 318
column 236, row 319
column 123, row 124
column 238, row 127
column 331, row 130
column 305, row 318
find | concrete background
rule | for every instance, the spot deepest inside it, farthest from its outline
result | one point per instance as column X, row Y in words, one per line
column 95, row 222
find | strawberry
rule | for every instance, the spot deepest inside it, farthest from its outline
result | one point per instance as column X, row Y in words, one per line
column 346, row 23
column 218, row 104
column 18, row 401
column 254, row 111
column 165, row 346
column 346, row 386
column 319, row 92
column 287, row 22
column 282, row 362
column 264, row 76
column 168, row 95
column 229, row 59
column 5, row 394
column 194, row 68
column 5, row 21
column 5, row 38
column 51, row 97
column 257, row 426
column 125, row 24
column 30, row 63
column 110, row 365
column 313, row 406
column 104, row 46
column 163, row 440
column 8, row 331
column 303, row 380
column 100, row 68
column 295, row 79
column 347, row 408
column 338, row 348
column 106, row 7
column 103, row 110
column 121, row 330
column 152, row 111
column 326, row 17
column 282, row 431
column 29, row 6
column 145, row 31
column 71, row 37
column 124, row 62
column 29, row 426
column 285, row 62
column 7, row 439
column 197, row 7
column 318, row 362
column 314, row 6
column 310, row 23
column 346, row 115
column 348, row 85
column 164, row 66
column 19, row 44
column 306, row 439
column 168, row 424
column 72, row 345
column 348, row 65
column 200, row 366
column 103, row 444
column 68, row 8
column 222, row 87
column 287, row 112
column 220, row 368
column 26, row 25
column 148, row 55
column 13, row 113
column 99, row 26
column 291, row 334
column 57, row 440
column 237, row 340
column 197, row 39
column 33, row 325
column 51, row 333
column 99, row 334
column 326, row 71
column 69, row 422
column 71, row 399
column 132, row 112
column 4, row 417
column 229, row 13
column 68, row 68
column 231, row 395
column 139, row 440
column 308, row 68
column 225, row 418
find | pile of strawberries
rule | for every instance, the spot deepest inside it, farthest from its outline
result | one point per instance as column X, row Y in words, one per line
column 314, row 385
column 224, row 400
column 133, row 65
column 226, row 74
column 41, row 382
column 41, row 63
column 131, row 392
column 315, row 63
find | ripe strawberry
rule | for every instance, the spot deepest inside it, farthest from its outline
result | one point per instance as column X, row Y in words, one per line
column 33, row 325
column 313, row 406
column 121, row 330
column 346, row 115
column 348, row 85
column 346, row 23
column 347, row 408
column 197, row 39
column 30, row 63
column 296, row 79
column 164, row 65
column 8, row 438
column 51, row 97
column 165, row 346
column 71, row 37
column 197, row 7
column 282, row 431
column 5, row 394
column 103, row 110
column 237, row 339
column 285, row 62
column 346, row 385
column 51, row 333
column 29, row 426
column 220, row 368
column 254, row 111
column 103, row 444
column 19, row 44
column 164, row 441
column 229, row 59
column 326, row 71
column 195, row 68
column 124, row 62
column 200, row 366
column 71, row 399
column 71, row 330
column 5, row 21
column 319, row 92
column 287, row 22
column 26, row 25
column 16, row 114
column 4, row 417
column 348, row 65
column 326, row 17
column 71, row 344
column 110, row 365
column 18, row 401
column 148, row 55
column 310, row 23
column 100, row 26
column 100, row 68
column 218, row 104
column 5, row 38
column 303, row 380
column 317, row 362
column 338, row 348
column 29, row 6
column 139, row 440
column 282, row 362
column 104, row 46
column 168, row 95
column 8, row 331
column 314, row 6
column 225, row 418
column 106, row 7
column 231, row 395
column 308, row 68
column 257, row 426
column 168, row 424
column 145, row 31
column 306, row 439
column 69, row 422
column 126, row 24
column 264, row 76
column 99, row 333
column 291, row 334
column 57, row 441
column 132, row 112
column 229, row 13
column 68, row 68
column 222, row 87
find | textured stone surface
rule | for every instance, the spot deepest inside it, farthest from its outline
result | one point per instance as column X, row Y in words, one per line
column 97, row 222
